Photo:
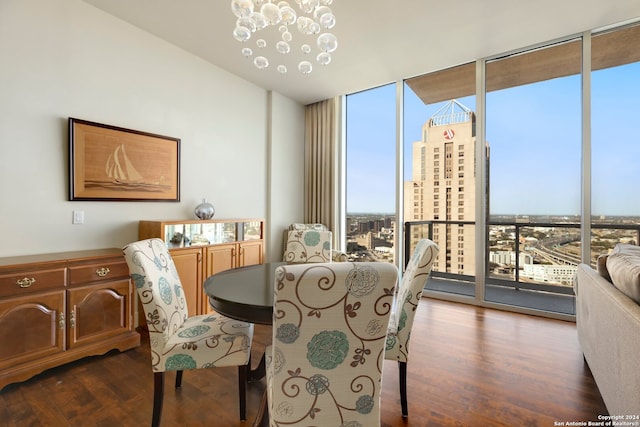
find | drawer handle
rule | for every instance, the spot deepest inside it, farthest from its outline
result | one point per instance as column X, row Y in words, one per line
column 102, row 271
column 26, row 282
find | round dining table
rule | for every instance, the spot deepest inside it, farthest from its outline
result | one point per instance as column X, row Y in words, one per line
column 244, row 293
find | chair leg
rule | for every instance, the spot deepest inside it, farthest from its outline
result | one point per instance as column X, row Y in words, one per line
column 262, row 417
column 243, row 374
column 158, row 393
column 178, row 379
column 402, row 370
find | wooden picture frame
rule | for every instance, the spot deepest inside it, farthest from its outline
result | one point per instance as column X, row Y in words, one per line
column 112, row 163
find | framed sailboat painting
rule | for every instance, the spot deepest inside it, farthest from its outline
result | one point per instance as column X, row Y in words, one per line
column 112, row 163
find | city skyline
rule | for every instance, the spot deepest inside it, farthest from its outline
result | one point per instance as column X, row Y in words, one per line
column 534, row 165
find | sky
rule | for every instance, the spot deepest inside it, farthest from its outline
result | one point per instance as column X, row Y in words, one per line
column 534, row 134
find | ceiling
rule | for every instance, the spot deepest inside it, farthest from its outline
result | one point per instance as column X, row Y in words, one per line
column 379, row 41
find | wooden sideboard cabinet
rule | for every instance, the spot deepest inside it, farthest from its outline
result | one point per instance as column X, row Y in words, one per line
column 60, row 307
column 200, row 248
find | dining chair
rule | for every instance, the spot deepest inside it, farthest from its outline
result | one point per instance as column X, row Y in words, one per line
column 405, row 305
column 305, row 243
column 179, row 342
column 324, row 366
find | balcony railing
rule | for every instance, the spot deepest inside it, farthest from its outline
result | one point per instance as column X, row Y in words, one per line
column 550, row 243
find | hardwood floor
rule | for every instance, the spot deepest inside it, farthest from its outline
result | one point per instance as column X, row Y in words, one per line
column 469, row 367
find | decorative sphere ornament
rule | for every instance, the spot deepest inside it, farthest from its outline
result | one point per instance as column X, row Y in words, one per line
column 204, row 210
column 305, row 67
column 261, row 62
column 242, row 34
column 271, row 13
column 327, row 42
column 324, row 58
column 283, row 47
column 289, row 15
column 258, row 20
column 247, row 23
column 241, row 8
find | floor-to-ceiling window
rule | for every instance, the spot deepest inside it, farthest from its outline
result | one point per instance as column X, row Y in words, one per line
column 516, row 201
column 533, row 130
column 439, row 128
column 371, row 174
column 615, row 141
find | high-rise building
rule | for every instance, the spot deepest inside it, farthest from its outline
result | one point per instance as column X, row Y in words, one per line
column 443, row 185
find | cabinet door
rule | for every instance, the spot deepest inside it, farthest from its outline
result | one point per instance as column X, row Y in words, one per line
column 98, row 311
column 31, row 327
column 189, row 265
column 250, row 253
column 220, row 258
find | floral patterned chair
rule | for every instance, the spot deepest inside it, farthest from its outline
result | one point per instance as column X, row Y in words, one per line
column 305, row 243
column 405, row 306
column 179, row 342
column 325, row 364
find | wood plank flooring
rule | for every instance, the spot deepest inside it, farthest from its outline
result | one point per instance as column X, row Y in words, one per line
column 469, row 367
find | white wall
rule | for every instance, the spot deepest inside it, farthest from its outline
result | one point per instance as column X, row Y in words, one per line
column 286, row 184
column 65, row 58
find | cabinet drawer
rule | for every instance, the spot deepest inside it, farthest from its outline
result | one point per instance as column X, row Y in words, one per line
column 108, row 270
column 31, row 281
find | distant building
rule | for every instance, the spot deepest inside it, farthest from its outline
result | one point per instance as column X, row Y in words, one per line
column 443, row 185
column 509, row 258
column 554, row 274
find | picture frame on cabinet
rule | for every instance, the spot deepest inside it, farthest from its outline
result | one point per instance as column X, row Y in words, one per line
column 111, row 163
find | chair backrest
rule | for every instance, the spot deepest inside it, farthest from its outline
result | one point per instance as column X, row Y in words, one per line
column 310, row 226
column 307, row 245
column 408, row 297
column 159, row 290
column 329, row 329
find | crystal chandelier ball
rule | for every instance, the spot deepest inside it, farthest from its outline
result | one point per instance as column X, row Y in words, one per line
column 272, row 32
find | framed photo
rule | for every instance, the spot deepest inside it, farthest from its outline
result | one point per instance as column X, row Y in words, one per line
column 112, row 163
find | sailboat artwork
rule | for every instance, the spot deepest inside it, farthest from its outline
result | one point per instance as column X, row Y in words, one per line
column 120, row 168
column 113, row 163
column 123, row 175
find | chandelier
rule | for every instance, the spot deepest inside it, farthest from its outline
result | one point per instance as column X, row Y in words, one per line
column 267, row 28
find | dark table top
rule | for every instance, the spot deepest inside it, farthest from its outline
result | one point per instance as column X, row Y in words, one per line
column 244, row 293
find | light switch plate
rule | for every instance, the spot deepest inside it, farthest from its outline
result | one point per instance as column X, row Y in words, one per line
column 78, row 217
